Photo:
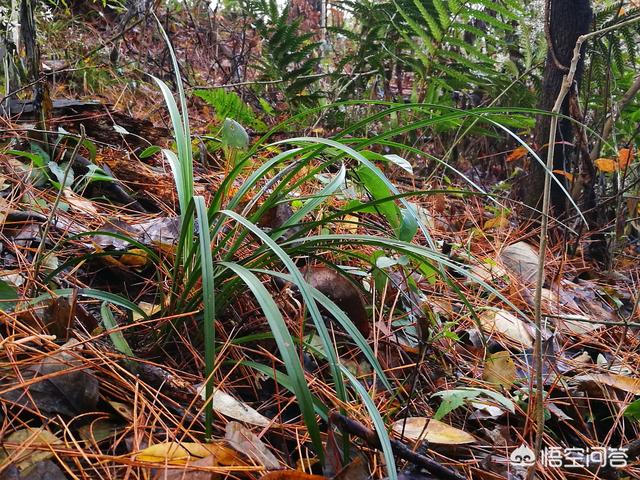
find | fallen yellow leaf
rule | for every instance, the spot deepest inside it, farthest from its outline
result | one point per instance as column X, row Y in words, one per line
column 148, row 308
column 351, row 223
column 500, row 369
column 136, row 257
column 180, row 453
column 433, row 431
column 496, row 223
column 20, row 447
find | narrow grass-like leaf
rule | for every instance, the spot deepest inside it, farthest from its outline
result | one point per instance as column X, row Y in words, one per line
column 285, row 380
column 8, row 296
column 346, row 323
column 117, row 337
column 378, row 423
column 376, row 171
column 313, row 203
column 306, row 294
column 209, row 299
column 287, row 349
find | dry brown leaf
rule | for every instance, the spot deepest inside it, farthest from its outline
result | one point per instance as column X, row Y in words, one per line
column 433, row 431
column 356, row 470
column 291, row 475
column 248, row 443
column 20, row 447
column 507, row 324
column 79, row 203
column 606, row 165
column 522, row 260
column 487, row 271
column 621, row 382
column 517, row 154
column 225, row 404
column 187, row 473
column 4, row 208
column 500, row 369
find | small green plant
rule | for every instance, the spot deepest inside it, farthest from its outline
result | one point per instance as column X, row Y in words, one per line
column 230, row 105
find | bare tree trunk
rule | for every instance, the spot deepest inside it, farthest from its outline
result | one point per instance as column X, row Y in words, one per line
column 567, row 20
column 8, row 57
column 29, row 42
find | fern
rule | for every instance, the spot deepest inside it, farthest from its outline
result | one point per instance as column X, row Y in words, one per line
column 230, row 105
column 454, row 43
column 624, row 43
column 610, row 58
column 288, row 55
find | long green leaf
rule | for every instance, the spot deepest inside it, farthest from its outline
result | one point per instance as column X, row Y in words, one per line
column 346, row 323
column 117, row 337
column 285, row 380
column 287, row 349
column 306, row 294
column 209, row 300
column 378, row 423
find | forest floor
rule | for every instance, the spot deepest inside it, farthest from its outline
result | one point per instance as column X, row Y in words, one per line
column 75, row 405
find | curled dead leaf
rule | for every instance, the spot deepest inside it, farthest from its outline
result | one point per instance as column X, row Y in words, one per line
column 621, row 382
column 225, row 404
column 522, row 260
column 248, row 443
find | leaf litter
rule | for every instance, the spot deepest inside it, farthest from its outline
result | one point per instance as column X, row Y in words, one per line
column 71, row 399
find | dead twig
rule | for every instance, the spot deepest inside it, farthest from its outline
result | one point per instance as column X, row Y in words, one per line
column 400, row 449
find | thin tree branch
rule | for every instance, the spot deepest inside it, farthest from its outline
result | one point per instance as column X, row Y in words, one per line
column 567, row 84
